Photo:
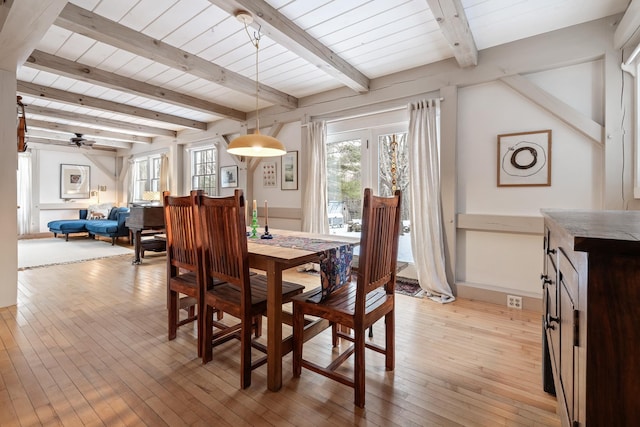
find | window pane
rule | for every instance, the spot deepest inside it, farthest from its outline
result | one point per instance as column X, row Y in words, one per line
column 204, row 166
column 393, row 167
column 344, row 182
column 155, row 168
column 142, row 166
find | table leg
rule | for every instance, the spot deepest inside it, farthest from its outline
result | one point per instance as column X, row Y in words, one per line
column 137, row 235
column 274, row 326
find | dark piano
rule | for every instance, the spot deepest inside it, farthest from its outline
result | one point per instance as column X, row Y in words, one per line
column 142, row 218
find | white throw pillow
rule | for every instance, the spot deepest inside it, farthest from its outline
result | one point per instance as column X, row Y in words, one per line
column 99, row 211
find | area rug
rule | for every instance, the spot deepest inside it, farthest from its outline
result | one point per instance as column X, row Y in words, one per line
column 406, row 286
column 34, row 253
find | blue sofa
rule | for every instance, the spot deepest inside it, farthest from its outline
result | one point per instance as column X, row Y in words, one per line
column 113, row 226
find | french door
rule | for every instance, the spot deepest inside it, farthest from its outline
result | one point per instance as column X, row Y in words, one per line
column 375, row 158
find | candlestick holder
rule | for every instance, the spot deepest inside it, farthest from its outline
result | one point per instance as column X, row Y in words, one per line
column 266, row 234
column 254, row 225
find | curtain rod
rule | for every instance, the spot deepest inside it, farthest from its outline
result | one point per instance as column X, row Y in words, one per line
column 387, row 110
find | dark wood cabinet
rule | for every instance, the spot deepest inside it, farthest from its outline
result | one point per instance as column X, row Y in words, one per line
column 591, row 317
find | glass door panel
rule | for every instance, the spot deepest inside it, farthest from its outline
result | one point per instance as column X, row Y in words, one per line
column 393, row 173
column 344, row 184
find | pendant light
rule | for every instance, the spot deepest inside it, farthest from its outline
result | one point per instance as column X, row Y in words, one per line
column 255, row 144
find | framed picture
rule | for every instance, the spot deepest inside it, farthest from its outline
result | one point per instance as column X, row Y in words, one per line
column 269, row 176
column 524, row 159
column 290, row 171
column 229, row 176
column 75, row 182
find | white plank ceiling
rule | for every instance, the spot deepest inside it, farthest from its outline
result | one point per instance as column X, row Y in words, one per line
column 373, row 38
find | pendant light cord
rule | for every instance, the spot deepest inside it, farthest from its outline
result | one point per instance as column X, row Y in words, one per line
column 255, row 41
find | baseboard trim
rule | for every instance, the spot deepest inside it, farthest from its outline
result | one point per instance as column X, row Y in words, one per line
column 471, row 292
column 41, row 235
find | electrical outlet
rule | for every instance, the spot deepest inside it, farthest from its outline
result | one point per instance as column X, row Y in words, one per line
column 514, row 302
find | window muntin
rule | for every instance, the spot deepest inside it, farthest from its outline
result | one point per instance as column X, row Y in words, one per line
column 204, row 164
column 147, row 177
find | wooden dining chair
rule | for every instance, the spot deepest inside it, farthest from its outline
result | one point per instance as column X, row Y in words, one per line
column 185, row 284
column 222, row 232
column 358, row 305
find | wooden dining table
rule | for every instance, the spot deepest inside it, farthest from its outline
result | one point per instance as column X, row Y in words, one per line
column 273, row 260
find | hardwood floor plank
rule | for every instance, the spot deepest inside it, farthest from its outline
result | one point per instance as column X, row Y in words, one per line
column 87, row 345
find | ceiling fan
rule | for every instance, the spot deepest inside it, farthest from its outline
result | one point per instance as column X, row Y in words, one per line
column 80, row 141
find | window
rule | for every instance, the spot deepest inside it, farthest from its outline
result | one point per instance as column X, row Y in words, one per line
column 154, row 174
column 204, row 164
column 146, row 172
column 141, row 174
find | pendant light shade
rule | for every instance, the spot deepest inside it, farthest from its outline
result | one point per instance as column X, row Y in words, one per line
column 255, row 144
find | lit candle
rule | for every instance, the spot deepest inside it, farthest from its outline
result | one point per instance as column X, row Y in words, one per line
column 255, row 206
column 266, row 216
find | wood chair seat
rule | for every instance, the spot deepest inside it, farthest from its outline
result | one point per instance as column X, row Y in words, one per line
column 187, row 282
column 228, row 297
column 340, row 307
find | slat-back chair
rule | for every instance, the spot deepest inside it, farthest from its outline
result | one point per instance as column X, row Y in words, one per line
column 360, row 304
column 222, row 232
column 185, row 289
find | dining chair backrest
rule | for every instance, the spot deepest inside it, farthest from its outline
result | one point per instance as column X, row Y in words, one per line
column 222, row 234
column 180, row 229
column 185, row 284
column 374, row 300
column 378, row 245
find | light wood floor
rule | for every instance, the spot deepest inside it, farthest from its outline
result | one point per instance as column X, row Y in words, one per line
column 86, row 345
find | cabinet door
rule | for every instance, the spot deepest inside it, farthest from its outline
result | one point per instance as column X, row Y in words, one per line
column 567, row 296
column 550, row 299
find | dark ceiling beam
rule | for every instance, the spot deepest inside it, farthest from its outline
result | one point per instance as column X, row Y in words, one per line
column 96, row 27
column 97, row 121
column 454, row 25
column 101, row 104
column 281, row 29
column 75, row 70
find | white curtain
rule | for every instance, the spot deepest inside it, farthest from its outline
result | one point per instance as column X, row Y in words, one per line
column 315, row 218
column 427, row 240
column 164, row 173
column 24, row 193
column 133, row 171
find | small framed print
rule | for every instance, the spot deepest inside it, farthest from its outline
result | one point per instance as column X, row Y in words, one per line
column 75, row 181
column 289, row 168
column 524, row 159
column 229, row 176
column 269, row 176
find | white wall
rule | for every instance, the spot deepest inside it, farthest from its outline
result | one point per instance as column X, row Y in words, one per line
column 513, row 262
column 47, row 204
column 290, row 136
column 8, row 177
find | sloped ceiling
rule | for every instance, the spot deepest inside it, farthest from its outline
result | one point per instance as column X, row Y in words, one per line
column 122, row 72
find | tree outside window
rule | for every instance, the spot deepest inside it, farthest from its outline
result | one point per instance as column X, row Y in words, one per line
column 385, row 175
column 344, row 177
